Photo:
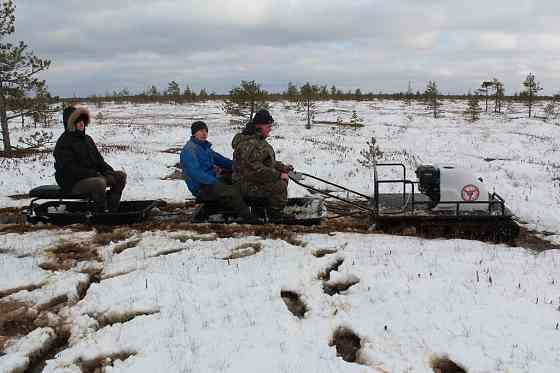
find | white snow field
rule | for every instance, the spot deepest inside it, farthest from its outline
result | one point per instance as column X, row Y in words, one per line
column 182, row 301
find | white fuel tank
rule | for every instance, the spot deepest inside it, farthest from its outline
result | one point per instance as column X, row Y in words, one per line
column 459, row 185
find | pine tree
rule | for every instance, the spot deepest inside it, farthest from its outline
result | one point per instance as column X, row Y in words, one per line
column 370, row 154
column 203, row 95
column 498, row 88
column 189, row 94
column 152, row 91
column 306, row 102
column 356, row 121
column 408, row 95
column 472, row 112
column 431, row 98
column 484, row 88
column 246, row 99
column 17, row 73
column 292, row 91
column 173, row 89
column 532, row 88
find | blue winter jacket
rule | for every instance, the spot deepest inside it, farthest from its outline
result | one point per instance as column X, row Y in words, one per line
column 197, row 161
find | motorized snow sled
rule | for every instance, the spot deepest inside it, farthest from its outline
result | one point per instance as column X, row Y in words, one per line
column 442, row 202
column 50, row 204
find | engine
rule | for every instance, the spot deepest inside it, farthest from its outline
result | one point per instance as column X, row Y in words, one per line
column 429, row 183
column 450, row 184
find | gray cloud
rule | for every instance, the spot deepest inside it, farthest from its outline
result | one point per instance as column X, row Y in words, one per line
column 373, row 45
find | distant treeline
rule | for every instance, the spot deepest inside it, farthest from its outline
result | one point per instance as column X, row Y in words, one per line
column 174, row 94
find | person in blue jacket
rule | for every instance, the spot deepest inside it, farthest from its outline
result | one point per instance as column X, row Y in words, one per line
column 199, row 162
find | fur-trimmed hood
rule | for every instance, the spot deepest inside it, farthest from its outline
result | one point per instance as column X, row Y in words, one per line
column 72, row 114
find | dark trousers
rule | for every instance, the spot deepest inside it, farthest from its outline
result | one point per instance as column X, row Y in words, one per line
column 275, row 193
column 226, row 194
column 96, row 187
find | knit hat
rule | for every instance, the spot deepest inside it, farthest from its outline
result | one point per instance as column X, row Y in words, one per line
column 262, row 117
column 197, row 126
column 72, row 115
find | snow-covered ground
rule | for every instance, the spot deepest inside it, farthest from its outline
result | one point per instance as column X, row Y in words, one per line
column 180, row 301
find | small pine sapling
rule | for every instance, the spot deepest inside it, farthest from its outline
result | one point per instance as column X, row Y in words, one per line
column 356, row 121
column 370, row 154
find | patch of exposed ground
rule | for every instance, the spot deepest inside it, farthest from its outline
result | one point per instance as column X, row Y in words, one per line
column 347, row 344
column 66, row 255
column 168, row 252
column 319, row 253
column 98, row 364
column 16, row 319
column 294, row 303
column 11, row 215
column 325, row 274
column 184, row 237
column 125, row 245
column 243, row 250
column 24, row 153
column 336, row 287
column 40, row 361
column 106, row 235
column 177, row 174
column 175, row 150
column 445, row 365
column 111, row 318
column 5, row 293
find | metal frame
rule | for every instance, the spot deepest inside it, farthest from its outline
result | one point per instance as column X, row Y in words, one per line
column 494, row 198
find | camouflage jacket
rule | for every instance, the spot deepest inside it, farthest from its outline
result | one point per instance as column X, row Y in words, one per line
column 254, row 161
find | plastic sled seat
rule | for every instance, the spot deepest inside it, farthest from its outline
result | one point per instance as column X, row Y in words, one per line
column 62, row 208
column 54, row 192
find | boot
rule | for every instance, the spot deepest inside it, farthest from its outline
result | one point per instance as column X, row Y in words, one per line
column 113, row 201
column 276, row 216
column 247, row 217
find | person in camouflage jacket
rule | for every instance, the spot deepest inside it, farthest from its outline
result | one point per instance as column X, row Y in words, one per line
column 255, row 168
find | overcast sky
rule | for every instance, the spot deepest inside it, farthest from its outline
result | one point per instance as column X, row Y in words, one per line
column 377, row 45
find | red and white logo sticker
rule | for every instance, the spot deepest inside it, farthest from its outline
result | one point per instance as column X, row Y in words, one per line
column 470, row 193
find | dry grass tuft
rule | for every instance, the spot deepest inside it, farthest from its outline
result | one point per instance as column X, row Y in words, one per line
column 65, row 255
column 195, row 237
column 294, row 303
column 332, row 288
column 115, row 235
column 347, row 344
column 325, row 274
column 121, row 317
column 168, row 251
column 16, row 319
column 125, row 245
column 5, row 293
column 443, row 364
column 319, row 253
column 98, row 364
column 245, row 249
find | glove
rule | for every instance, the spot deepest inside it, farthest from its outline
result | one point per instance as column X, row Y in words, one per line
column 287, row 168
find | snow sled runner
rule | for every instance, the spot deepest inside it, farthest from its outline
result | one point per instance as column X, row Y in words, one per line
column 59, row 208
column 299, row 211
column 442, row 202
